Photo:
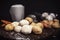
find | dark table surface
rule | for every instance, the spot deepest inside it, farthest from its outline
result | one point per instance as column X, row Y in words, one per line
column 52, row 34
column 55, row 38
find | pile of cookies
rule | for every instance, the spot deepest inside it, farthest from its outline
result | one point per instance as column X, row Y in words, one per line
column 27, row 25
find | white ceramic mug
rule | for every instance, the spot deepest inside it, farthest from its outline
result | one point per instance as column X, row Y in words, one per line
column 17, row 12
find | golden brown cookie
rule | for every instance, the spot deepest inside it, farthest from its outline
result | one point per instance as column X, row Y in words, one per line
column 40, row 25
column 37, row 30
column 9, row 27
column 56, row 25
column 29, row 19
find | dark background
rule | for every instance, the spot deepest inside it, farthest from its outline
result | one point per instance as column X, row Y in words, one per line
column 30, row 6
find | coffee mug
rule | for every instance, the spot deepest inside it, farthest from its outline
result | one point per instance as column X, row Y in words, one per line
column 17, row 12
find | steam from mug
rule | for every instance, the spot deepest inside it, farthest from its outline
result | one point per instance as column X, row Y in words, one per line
column 17, row 12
